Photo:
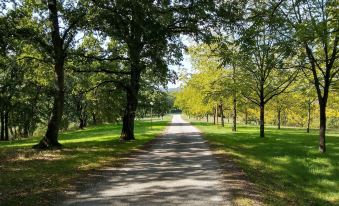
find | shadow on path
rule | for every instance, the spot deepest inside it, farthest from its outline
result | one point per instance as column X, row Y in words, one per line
column 178, row 169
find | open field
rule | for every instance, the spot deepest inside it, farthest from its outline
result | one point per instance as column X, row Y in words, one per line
column 286, row 165
column 30, row 177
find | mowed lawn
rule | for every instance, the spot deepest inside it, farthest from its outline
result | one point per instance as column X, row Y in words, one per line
column 285, row 165
column 30, row 177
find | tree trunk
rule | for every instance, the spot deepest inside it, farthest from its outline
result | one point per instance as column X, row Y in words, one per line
column 308, row 117
column 262, row 109
column 6, row 126
column 2, row 135
column 246, row 117
column 222, row 115
column 127, row 132
column 81, row 123
column 262, row 120
column 94, row 118
column 322, row 128
column 279, row 118
column 207, row 117
column 26, row 130
column 50, row 139
column 234, row 128
column 214, row 116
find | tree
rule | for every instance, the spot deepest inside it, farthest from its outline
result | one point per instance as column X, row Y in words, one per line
column 149, row 30
column 315, row 29
column 52, row 33
column 228, row 52
column 266, row 67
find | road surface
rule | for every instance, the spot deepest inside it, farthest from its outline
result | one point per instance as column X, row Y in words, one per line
column 178, row 169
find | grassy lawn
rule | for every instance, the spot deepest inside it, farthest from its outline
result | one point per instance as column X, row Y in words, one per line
column 30, row 177
column 286, row 164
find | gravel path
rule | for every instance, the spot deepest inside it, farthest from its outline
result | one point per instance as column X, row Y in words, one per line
column 178, row 169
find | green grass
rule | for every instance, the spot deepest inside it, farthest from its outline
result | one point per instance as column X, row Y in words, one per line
column 285, row 165
column 30, row 177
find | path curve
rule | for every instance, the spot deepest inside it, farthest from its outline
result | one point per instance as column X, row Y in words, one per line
column 178, row 169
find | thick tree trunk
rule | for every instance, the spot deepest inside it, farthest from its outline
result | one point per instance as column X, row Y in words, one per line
column 222, row 115
column 81, row 123
column 262, row 120
column 50, row 139
column 127, row 132
column 322, row 128
column 308, row 118
column 279, row 118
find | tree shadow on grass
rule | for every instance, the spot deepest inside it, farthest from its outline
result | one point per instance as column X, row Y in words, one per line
column 285, row 164
column 28, row 177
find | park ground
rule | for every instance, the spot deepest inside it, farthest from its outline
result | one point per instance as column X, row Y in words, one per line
column 286, row 165
column 31, row 177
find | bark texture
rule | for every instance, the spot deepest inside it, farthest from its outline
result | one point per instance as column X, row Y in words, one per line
column 50, row 139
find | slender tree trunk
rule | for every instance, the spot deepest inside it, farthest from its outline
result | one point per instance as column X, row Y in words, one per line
column 2, row 136
column 6, row 126
column 216, row 114
column 322, row 128
column 94, row 118
column 214, row 120
column 207, row 117
column 246, row 117
column 51, row 137
column 234, row 128
column 262, row 109
column 26, row 130
column 222, row 115
column 262, row 120
column 279, row 118
column 308, row 117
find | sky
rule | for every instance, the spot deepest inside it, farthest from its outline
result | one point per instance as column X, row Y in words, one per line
column 186, row 64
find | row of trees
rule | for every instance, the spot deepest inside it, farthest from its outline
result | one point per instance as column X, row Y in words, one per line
column 282, row 54
column 71, row 61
